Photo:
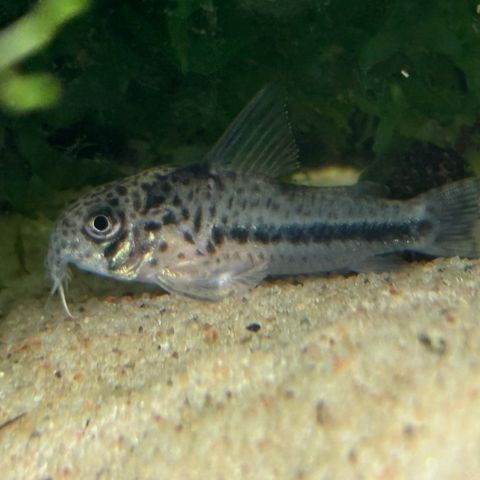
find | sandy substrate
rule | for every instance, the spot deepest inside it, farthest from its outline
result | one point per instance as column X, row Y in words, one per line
column 373, row 376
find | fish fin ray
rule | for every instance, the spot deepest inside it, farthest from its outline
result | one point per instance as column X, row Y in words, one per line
column 259, row 141
column 455, row 211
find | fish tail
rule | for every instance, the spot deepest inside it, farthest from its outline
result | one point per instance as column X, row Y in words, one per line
column 454, row 210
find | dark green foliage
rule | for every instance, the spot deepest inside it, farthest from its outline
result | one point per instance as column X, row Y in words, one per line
column 146, row 82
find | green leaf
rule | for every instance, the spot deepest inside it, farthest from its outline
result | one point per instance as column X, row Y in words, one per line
column 25, row 93
column 36, row 29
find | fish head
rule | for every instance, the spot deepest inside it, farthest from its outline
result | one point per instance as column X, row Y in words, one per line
column 99, row 233
column 80, row 237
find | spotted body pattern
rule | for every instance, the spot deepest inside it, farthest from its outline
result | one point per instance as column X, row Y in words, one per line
column 222, row 225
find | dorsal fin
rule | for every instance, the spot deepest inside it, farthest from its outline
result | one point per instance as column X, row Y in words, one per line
column 259, row 141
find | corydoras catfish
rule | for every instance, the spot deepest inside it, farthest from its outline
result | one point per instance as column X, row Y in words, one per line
column 220, row 226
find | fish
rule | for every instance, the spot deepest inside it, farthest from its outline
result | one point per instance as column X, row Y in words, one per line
column 218, row 227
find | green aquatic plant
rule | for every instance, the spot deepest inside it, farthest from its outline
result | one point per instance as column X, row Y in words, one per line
column 23, row 92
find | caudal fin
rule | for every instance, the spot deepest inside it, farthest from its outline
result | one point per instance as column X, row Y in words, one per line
column 455, row 211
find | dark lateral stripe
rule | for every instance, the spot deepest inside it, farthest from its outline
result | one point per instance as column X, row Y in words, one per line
column 323, row 232
column 239, row 233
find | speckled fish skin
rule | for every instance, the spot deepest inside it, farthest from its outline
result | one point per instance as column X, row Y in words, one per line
column 221, row 226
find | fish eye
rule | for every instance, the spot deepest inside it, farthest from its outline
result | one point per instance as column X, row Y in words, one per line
column 102, row 225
